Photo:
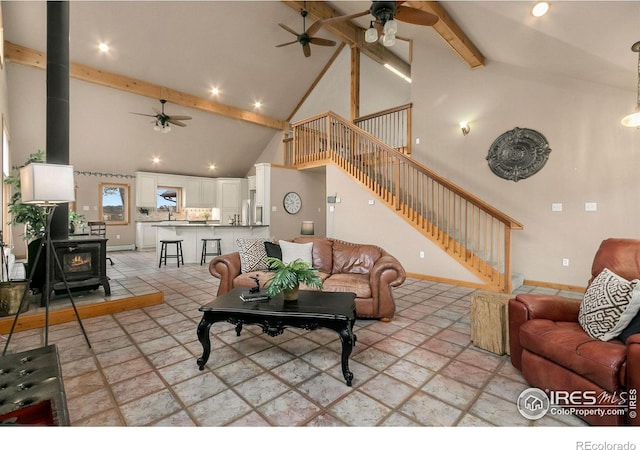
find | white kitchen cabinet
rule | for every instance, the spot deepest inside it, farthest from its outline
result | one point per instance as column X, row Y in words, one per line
column 146, row 185
column 228, row 197
column 193, row 193
column 200, row 192
column 208, row 193
column 263, row 192
column 146, row 235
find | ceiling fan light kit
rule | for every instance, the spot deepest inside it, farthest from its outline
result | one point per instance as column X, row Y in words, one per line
column 386, row 15
column 633, row 120
column 162, row 121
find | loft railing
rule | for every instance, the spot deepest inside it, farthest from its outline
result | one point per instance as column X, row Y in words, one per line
column 468, row 228
column 392, row 126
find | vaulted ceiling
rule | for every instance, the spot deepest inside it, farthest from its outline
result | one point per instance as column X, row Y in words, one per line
column 189, row 47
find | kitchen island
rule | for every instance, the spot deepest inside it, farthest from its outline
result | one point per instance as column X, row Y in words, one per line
column 192, row 233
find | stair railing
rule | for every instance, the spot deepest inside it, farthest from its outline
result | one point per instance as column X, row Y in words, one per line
column 392, row 126
column 469, row 229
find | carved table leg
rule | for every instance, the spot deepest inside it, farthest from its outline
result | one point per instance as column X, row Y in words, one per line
column 238, row 328
column 205, row 340
column 348, row 341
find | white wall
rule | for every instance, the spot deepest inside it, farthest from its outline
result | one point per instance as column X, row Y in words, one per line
column 593, row 157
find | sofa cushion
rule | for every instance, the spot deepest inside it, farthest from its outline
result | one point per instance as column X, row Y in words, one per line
column 348, row 282
column 354, row 258
column 273, row 251
column 252, row 254
column 609, row 305
column 292, row 251
column 322, row 252
column 568, row 345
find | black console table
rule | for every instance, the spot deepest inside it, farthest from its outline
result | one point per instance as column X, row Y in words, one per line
column 313, row 309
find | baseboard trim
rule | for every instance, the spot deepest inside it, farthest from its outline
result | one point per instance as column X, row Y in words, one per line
column 543, row 284
column 558, row 286
column 115, row 248
column 452, row 281
column 29, row 321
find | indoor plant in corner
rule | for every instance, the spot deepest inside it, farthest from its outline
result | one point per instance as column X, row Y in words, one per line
column 287, row 278
column 33, row 217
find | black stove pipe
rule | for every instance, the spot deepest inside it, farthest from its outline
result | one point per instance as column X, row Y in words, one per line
column 57, row 148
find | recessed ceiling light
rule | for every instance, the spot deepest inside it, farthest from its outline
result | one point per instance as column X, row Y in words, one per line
column 215, row 91
column 540, row 9
column 212, row 166
column 103, row 47
column 156, row 160
column 257, row 104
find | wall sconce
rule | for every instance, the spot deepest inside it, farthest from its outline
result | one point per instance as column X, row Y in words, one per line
column 464, row 126
column 306, row 229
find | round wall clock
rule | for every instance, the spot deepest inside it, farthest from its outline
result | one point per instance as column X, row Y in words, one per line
column 292, row 202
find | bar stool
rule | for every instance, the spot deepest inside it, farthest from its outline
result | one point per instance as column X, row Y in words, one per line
column 217, row 249
column 177, row 255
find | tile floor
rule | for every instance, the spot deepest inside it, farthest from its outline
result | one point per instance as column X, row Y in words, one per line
column 418, row 370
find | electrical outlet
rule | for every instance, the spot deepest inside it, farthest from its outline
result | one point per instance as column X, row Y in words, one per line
column 372, row 202
column 590, row 206
column 556, row 207
column 565, row 262
column 421, row 255
column 117, row 236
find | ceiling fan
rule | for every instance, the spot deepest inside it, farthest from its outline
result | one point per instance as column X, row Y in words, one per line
column 163, row 120
column 385, row 15
column 306, row 37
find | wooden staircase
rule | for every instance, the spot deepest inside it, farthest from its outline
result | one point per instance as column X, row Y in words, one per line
column 467, row 228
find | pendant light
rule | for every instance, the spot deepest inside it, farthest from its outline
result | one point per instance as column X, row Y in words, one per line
column 633, row 119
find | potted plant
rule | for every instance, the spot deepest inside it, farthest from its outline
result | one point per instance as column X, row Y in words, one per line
column 287, row 277
column 76, row 221
column 31, row 216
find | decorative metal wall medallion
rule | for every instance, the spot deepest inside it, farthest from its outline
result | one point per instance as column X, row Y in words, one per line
column 518, row 154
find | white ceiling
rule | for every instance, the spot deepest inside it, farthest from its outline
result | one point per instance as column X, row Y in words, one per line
column 192, row 46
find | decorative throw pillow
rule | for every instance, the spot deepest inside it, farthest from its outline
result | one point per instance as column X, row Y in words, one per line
column 252, row 254
column 609, row 305
column 632, row 328
column 273, row 251
column 292, row 251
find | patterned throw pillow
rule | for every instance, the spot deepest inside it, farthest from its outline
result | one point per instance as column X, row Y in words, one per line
column 252, row 254
column 609, row 305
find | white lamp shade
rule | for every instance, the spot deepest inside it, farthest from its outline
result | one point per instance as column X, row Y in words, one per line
column 46, row 183
column 307, row 228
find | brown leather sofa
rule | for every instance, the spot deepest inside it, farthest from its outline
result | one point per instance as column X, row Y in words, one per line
column 553, row 351
column 367, row 270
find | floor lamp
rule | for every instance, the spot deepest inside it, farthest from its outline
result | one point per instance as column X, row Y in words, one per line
column 46, row 185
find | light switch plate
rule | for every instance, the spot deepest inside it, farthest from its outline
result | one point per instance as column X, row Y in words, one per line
column 590, row 206
column 557, row 207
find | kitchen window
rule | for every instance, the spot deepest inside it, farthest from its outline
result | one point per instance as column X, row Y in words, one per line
column 114, row 203
column 169, row 199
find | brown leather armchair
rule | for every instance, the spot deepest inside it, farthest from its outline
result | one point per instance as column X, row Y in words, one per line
column 554, row 353
column 367, row 270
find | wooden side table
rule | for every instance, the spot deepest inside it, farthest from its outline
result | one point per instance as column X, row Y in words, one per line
column 490, row 321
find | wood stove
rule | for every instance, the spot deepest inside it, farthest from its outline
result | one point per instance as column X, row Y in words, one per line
column 84, row 263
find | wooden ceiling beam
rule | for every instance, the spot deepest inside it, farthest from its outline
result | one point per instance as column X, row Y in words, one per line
column 36, row 59
column 354, row 35
column 451, row 33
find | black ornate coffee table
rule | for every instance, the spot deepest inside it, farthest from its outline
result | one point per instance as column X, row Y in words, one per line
column 313, row 309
